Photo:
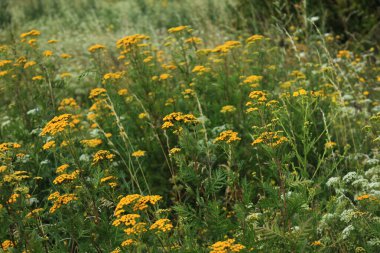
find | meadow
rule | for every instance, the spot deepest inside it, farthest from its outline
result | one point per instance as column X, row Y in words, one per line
column 189, row 126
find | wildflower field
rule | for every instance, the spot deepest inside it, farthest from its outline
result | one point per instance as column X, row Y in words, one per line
column 213, row 126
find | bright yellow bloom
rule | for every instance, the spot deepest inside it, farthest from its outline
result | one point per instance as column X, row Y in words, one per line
column 165, row 76
column 58, row 124
column 316, row 243
column 228, row 108
column 226, row 246
column 60, row 200
column 138, row 153
column 65, row 74
column 48, row 145
column 92, row 143
column 122, row 92
column 52, row 41
column 67, row 103
column 330, row 144
column 254, row 38
column 102, row 155
column 37, row 78
column 174, row 151
column 228, row 136
column 129, row 41
column 65, row 56
column 96, row 47
column 178, row 29
column 163, row 225
column 66, row 177
column 96, row 92
column 29, row 64
column 62, row 168
column 30, row 33
column 48, row 53
column 115, row 75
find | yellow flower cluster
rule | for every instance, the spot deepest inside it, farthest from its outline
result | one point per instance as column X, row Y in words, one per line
column 57, row 124
column 113, row 75
column 226, row 47
column 300, row 92
column 102, row 155
column 138, row 153
column 253, row 80
column 178, row 117
column 127, row 220
column 272, row 139
column 131, row 40
column 228, row 108
column 62, row 168
column 5, row 62
column 254, row 38
column 330, row 144
column 30, row 33
column 194, row 40
column 163, row 225
column 66, row 177
column 199, row 69
column 226, row 246
column 60, row 200
column 16, row 176
column 48, row 145
column 13, row 198
column 344, row 54
column 29, row 64
column 92, row 143
column 96, row 47
column 6, row 146
column 228, row 136
column 97, row 92
column 139, row 202
column 178, row 29
column 174, row 151
column 47, row 53
column 5, row 245
column 366, row 196
column 68, row 103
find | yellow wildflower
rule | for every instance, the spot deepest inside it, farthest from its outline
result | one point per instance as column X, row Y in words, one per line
column 96, row 47
column 48, row 145
column 138, row 153
column 178, row 29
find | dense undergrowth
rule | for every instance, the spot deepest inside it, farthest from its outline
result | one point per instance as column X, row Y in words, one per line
column 174, row 142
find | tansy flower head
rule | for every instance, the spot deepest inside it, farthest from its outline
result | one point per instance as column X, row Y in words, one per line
column 138, row 153
column 178, row 29
column 228, row 136
column 96, row 47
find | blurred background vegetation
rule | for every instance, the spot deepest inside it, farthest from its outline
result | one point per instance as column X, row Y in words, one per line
column 357, row 21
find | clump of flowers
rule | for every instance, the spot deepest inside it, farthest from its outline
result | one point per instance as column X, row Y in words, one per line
column 226, row 246
column 92, row 143
column 272, row 139
column 162, row 225
column 96, row 47
column 58, row 124
column 179, row 117
column 228, row 136
column 68, row 104
column 97, row 92
column 60, row 200
column 66, row 177
column 102, row 155
column 179, row 29
column 139, row 153
column 228, row 108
